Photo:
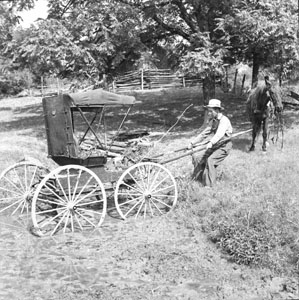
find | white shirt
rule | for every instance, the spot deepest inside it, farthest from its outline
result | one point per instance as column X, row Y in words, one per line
column 224, row 130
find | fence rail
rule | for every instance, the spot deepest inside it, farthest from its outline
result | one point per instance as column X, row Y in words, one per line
column 152, row 79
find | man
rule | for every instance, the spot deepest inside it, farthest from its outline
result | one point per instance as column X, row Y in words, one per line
column 218, row 133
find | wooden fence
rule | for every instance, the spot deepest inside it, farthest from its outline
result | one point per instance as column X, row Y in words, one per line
column 152, row 79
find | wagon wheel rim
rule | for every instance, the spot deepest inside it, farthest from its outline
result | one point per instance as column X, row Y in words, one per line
column 71, row 198
column 17, row 185
column 145, row 190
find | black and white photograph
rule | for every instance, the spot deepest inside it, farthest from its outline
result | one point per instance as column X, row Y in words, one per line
column 149, row 150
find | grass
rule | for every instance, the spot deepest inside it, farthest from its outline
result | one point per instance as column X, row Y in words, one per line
column 251, row 215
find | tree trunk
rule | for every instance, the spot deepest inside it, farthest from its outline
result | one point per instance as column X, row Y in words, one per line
column 255, row 68
column 208, row 88
column 209, row 91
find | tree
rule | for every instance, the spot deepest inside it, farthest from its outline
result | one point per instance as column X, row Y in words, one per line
column 79, row 39
column 263, row 32
column 186, row 29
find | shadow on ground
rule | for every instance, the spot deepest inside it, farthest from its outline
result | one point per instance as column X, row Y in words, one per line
column 156, row 111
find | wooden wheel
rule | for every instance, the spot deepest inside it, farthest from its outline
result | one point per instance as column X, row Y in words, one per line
column 70, row 198
column 17, row 185
column 145, row 189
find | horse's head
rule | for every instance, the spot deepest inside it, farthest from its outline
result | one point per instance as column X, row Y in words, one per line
column 274, row 95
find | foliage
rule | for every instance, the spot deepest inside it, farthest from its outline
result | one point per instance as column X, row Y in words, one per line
column 85, row 39
column 81, row 40
column 12, row 83
column 263, row 32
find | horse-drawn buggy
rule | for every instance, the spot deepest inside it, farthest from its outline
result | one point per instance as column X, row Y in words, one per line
column 95, row 165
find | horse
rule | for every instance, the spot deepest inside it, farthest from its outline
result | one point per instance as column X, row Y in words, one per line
column 263, row 101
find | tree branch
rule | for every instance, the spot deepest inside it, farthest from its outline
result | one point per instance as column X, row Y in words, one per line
column 184, row 15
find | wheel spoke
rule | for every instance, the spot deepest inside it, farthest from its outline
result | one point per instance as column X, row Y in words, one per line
column 163, row 195
column 17, row 175
column 84, row 187
column 139, row 209
column 62, row 189
column 58, row 224
column 132, row 187
column 129, row 201
column 18, row 188
column 33, row 176
column 75, row 200
column 9, row 206
column 134, row 206
column 156, row 199
column 76, row 185
column 76, row 217
column 161, row 181
column 11, row 198
column 88, row 203
column 56, row 195
column 148, row 193
column 155, row 178
column 86, row 219
column 52, row 219
column 69, row 185
column 16, row 209
column 86, row 196
column 144, row 215
column 89, row 210
column 151, row 210
column 156, row 207
column 126, row 194
column 72, row 222
column 51, row 202
column 66, row 220
column 50, row 210
column 11, row 191
column 25, row 204
column 139, row 188
column 25, row 177
column 163, row 189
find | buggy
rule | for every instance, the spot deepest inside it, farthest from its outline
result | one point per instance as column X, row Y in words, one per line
column 94, row 167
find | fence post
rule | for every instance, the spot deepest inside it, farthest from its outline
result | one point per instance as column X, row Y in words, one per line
column 242, row 86
column 142, row 79
column 42, row 83
column 184, row 83
column 235, row 81
column 57, row 81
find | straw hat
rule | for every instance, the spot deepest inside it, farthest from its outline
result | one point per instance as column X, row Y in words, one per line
column 214, row 103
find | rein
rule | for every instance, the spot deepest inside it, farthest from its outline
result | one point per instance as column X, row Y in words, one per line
column 277, row 119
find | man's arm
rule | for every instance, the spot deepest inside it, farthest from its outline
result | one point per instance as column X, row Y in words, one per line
column 224, row 125
column 206, row 132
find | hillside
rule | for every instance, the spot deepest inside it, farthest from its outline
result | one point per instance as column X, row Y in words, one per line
column 252, row 213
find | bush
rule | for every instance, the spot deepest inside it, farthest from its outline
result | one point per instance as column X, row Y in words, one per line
column 11, row 87
column 245, row 244
column 14, row 82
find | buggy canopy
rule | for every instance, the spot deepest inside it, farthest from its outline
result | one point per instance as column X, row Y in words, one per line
column 100, row 97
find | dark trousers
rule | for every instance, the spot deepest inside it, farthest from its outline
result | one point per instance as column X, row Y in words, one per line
column 205, row 164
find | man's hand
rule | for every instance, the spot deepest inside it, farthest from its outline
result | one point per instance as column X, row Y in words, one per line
column 190, row 146
column 209, row 145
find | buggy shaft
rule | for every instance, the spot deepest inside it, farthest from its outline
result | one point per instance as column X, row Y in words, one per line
column 198, row 149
